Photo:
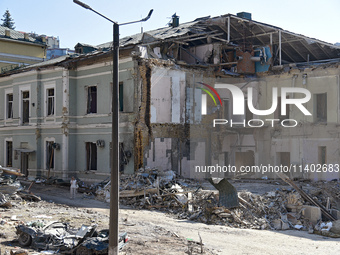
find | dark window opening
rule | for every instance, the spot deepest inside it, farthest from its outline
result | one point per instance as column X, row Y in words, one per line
column 9, row 153
column 321, row 107
column 50, row 102
column 9, row 106
column 25, row 107
column 92, row 99
column 121, row 97
column 91, row 156
column 322, row 155
column 49, row 155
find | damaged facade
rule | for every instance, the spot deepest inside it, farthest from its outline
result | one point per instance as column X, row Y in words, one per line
column 56, row 119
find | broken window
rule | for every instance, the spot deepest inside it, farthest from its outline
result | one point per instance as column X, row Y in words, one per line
column 92, row 99
column 321, row 107
column 91, row 156
column 50, row 102
column 9, row 113
column 9, row 153
column 49, row 155
column 25, row 107
column 322, row 155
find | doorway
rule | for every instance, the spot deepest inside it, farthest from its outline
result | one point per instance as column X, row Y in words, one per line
column 24, row 163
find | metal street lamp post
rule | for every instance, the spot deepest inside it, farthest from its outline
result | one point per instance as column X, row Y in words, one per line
column 114, row 193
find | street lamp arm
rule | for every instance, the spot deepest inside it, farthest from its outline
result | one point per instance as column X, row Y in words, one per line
column 89, row 8
column 141, row 20
column 82, row 4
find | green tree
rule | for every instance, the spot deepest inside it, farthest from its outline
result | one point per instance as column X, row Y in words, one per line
column 7, row 20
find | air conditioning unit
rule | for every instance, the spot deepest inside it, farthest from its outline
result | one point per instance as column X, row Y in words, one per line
column 100, row 143
column 56, row 146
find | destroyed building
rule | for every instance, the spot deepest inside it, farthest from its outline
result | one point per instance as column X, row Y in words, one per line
column 56, row 116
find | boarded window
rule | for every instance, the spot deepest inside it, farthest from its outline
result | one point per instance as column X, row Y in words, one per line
column 50, row 102
column 92, row 99
column 321, row 107
column 9, row 153
column 91, row 156
column 322, row 155
column 9, row 113
column 25, row 107
column 49, row 155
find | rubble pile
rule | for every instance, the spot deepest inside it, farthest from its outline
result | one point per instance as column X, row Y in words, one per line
column 11, row 189
column 281, row 209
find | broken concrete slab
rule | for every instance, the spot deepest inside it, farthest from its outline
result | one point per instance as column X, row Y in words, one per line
column 312, row 213
column 227, row 193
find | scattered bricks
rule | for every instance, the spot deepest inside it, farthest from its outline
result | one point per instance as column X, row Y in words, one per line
column 312, row 213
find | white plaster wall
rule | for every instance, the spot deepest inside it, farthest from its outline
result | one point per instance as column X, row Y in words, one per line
column 167, row 96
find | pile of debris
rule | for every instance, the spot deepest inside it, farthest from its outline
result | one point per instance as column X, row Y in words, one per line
column 10, row 187
column 282, row 209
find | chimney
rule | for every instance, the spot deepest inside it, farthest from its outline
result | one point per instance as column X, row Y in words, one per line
column 175, row 21
column 25, row 36
column 244, row 15
column 8, row 33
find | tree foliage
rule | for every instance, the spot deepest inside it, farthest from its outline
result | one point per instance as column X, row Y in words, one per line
column 7, row 21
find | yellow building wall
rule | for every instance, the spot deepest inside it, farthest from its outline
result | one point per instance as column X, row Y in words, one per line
column 20, row 52
column 22, row 48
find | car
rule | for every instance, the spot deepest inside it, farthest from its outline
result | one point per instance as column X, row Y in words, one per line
column 61, row 238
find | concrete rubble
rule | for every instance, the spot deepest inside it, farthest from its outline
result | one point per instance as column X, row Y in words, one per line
column 281, row 209
column 10, row 187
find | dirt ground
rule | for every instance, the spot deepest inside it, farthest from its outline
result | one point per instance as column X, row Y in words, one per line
column 152, row 232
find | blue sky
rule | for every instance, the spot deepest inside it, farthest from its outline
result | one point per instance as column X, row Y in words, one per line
column 73, row 24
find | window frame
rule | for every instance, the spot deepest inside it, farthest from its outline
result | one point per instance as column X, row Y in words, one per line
column 23, row 89
column 7, row 93
column 6, row 142
column 47, row 87
column 89, row 99
column 88, row 153
column 47, row 155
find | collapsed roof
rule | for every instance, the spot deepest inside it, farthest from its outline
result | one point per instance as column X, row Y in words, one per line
column 241, row 40
column 238, row 31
